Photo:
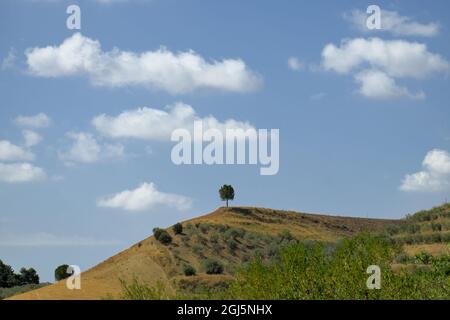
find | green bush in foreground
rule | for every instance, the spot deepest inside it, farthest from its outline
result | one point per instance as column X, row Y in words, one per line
column 312, row 274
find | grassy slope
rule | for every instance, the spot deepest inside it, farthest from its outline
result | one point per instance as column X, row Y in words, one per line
column 205, row 237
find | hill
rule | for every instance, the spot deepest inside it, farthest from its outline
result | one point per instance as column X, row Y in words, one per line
column 230, row 236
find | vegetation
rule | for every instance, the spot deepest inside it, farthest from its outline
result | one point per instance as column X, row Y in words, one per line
column 226, row 193
column 315, row 271
column 61, row 272
column 9, row 292
column 162, row 236
column 189, row 270
column 213, row 267
column 9, row 279
column 177, row 228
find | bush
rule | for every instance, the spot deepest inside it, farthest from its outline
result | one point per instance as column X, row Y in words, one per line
column 232, row 245
column 285, row 235
column 162, row 236
column 61, row 272
column 436, row 226
column 157, row 233
column 178, row 228
column 310, row 273
column 165, row 238
column 423, row 257
column 189, row 270
column 213, row 267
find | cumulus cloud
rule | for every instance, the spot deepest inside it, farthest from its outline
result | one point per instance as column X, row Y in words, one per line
column 31, row 138
column 12, row 152
column 294, row 64
column 377, row 84
column 86, row 149
column 435, row 175
column 145, row 197
column 160, row 69
column 156, row 124
column 44, row 239
column 376, row 62
column 40, row 120
column 20, row 172
column 393, row 22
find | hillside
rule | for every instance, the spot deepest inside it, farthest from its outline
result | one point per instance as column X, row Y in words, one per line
column 230, row 236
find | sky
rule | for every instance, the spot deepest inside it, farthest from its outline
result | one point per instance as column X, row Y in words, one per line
column 86, row 115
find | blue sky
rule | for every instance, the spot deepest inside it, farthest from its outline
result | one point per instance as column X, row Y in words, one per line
column 363, row 115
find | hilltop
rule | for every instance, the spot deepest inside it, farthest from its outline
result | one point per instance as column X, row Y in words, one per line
column 230, row 236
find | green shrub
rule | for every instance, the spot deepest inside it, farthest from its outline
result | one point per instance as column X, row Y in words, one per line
column 232, row 245
column 423, row 257
column 61, row 272
column 436, row 226
column 213, row 267
column 177, row 228
column 189, row 270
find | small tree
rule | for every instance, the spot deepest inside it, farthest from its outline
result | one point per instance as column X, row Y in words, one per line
column 226, row 193
column 189, row 270
column 213, row 267
column 178, row 228
column 61, row 272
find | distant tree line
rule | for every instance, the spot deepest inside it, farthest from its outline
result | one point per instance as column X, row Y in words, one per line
column 9, row 279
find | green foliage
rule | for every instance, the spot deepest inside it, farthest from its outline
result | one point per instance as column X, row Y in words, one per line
column 312, row 273
column 436, row 226
column 137, row 291
column 285, row 235
column 162, row 236
column 61, row 272
column 213, row 267
column 28, row 276
column 9, row 279
column 226, row 193
column 424, row 257
column 9, row 292
column 232, row 245
column 189, row 270
column 177, row 228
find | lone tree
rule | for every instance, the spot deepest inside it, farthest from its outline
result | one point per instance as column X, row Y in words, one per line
column 61, row 272
column 226, row 193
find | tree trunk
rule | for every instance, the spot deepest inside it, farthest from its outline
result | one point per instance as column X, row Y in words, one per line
column 227, row 203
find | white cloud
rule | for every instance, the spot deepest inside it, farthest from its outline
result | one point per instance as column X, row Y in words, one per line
column 294, row 64
column 20, row 172
column 11, row 152
column 435, row 175
column 44, row 239
column 40, row 120
column 376, row 62
column 393, row 22
column 31, row 138
column 145, row 197
column 9, row 61
column 397, row 58
column 156, row 124
column 86, row 149
column 377, row 84
column 161, row 69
